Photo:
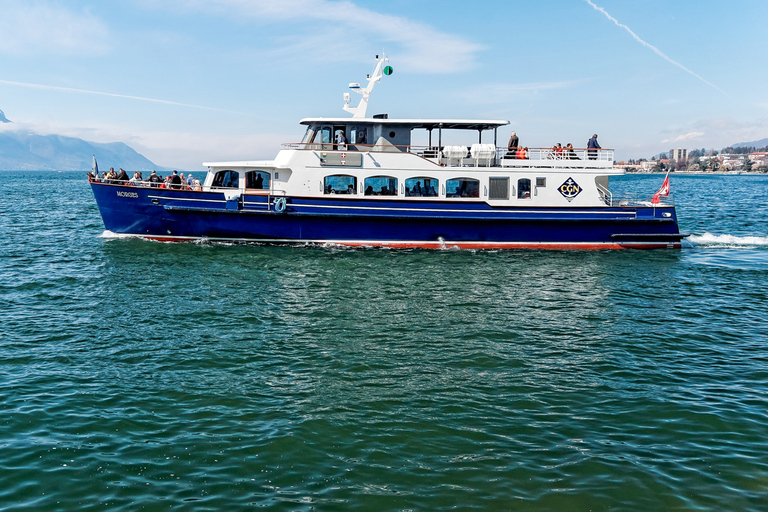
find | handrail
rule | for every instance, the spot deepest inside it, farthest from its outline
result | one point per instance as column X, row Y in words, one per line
column 605, row 194
column 450, row 155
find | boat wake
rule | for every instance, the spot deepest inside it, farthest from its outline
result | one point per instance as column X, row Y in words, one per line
column 728, row 241
column 111, row 234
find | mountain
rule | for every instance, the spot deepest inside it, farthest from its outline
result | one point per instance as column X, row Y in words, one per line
column 4, row 119
column 21, row 151
column 756, row 144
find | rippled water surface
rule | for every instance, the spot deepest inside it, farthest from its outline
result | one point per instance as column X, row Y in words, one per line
column 216, row 377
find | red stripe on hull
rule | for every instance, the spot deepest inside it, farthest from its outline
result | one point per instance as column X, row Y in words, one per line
column 588, row 246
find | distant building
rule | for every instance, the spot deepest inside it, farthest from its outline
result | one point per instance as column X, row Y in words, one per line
column 760, row 158
column 681, row 155
column 731, row 161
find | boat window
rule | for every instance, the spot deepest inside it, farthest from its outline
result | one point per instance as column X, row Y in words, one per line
column 257, row 179
column 462, row 187
column 358, row 135
column 381, row 186
column 226, row 179
column 308, row 134
column 322, row 135
column 421, row 187
column 340, row 184
column 523, row 188
column 541, row 182
column 498, row 188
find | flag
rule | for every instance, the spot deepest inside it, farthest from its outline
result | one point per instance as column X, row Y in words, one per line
column 95, row 168
column 663, row 191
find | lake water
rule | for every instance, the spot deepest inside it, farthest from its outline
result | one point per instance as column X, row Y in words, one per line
column 146, row 376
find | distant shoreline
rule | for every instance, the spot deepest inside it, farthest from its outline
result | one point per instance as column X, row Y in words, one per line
column 700, row 173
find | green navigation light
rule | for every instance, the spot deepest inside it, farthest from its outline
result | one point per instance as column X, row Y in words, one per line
column 388, row 70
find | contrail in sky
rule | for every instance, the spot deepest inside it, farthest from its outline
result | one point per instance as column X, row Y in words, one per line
column 653, row 48
column 85, row 91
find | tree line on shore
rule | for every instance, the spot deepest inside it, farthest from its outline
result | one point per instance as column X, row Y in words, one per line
column 703, row 160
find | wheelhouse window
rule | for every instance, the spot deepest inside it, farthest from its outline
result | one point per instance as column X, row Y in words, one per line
column 380, row 186
column 358, row 135
column 321, row 135
column 308, row 134
column 340, row 184
column 462, row 187
column 498, row 188
column 258, row 180
column 226, row 179
column 523, row 188
column 421, row 187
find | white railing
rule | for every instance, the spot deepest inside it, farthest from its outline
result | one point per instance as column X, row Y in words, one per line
column 485, row 155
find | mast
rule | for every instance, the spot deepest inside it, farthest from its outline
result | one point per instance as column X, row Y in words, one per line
column 358, row 112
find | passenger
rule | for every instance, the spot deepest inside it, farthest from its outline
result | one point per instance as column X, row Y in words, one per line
column 154, row 179
column 514, row 141
column 111, row 174
column 369, row 190
column 196, row 185
column 141, row 177
column 416, row 190
column 190, row 180
column 350, row 189
column 570, row 153
column 384, row 191
column 593, row 146
column 136, row 179
column 559, row 151
column 341, row 140
column 522, row 153
column 259, row 181
column 174, row 180
column 122, row 176
column 183, row 179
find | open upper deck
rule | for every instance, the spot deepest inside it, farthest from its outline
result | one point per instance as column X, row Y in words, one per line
column 381, row 134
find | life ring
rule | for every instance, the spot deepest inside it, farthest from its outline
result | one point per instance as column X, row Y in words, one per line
column 280, row 204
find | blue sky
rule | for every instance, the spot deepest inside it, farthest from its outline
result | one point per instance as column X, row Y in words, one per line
column 187, row 81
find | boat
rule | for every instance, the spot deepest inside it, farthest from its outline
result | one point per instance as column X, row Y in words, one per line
column 362, row 181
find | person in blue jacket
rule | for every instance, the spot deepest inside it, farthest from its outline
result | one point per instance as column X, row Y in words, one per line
column 593, row 146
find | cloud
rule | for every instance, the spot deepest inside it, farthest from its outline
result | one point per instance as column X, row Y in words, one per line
column 32, row 27
column 419, row 47
column 684, row 137
column 110, row 94
column 651, row 47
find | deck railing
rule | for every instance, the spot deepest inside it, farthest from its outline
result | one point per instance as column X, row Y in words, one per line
column 480, row 155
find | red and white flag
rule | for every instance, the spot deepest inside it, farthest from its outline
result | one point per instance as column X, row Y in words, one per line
column 663, row 191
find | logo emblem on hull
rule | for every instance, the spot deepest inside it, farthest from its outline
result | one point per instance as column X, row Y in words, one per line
column 569, row 189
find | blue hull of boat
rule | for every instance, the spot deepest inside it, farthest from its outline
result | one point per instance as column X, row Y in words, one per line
column 166, row 214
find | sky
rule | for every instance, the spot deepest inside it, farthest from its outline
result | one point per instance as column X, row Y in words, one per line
column 190, row 81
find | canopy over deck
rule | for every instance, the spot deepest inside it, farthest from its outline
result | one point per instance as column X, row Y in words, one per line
column 427, row 124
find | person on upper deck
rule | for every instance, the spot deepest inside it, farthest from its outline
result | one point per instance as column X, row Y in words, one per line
column 122, row 176
column 522, row 153
column 341, row 141
column 514, row 142
column 593, row 146
column 570, row 153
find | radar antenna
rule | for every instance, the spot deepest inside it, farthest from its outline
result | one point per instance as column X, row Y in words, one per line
column 358, row 112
